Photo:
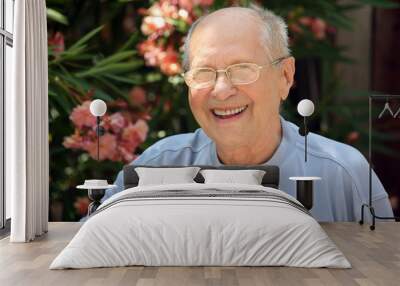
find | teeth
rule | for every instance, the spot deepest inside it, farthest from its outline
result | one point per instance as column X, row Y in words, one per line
column 229, row 111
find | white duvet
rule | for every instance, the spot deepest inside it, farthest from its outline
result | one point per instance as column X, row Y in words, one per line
column 182, row 231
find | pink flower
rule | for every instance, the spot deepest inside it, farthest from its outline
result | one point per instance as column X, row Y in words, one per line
column 155, row 10
column 108, row 147
column 81, row 116
column 126, row 156
column 169, row 62
column 118, row 104
column 117, row 122
column 142, row 129
column 352, row 137
column 135, row 133
column 205, row 2
column 137, row 95
column 186, row 4
column 129, row 146
column 150, row 51
column 132, row 137
column 121, row 137
column 74, row 141
column 189, row 4
column 318, row 27
column 130, row 141
column 169, row 10
column 152, row 24
column 56, row 41
column 305, row 21
column 295, row 28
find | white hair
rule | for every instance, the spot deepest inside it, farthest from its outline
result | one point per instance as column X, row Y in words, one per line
column 274, row 34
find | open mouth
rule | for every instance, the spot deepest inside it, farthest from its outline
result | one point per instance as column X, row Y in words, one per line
column 228, row 113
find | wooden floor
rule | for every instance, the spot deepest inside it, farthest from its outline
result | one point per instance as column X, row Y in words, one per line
column 374, row 255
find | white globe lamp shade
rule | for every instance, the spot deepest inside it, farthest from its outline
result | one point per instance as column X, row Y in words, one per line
column 98, row 107
column 305, row 107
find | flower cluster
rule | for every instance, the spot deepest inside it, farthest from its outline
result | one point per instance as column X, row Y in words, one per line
column 123, row 133
column 163, row 24
column 298, row 23
column 56, row 42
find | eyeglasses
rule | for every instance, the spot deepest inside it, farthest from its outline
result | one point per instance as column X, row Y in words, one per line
column 238, row 74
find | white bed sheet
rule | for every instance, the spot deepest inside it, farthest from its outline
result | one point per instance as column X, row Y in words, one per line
column 192, row 231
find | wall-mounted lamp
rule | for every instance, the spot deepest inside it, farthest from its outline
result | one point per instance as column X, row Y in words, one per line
column 96, row 188
column 304, row 185
column 305, row 108
column 98, row 108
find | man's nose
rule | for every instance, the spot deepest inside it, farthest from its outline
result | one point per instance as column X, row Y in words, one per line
column 223, row 87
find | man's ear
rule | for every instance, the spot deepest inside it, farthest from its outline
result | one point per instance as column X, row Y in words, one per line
column 287, row 76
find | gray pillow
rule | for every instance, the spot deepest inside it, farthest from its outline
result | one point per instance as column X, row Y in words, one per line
column 162, row 176
column 248, row 177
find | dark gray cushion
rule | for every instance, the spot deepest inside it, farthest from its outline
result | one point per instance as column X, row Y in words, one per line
column 270, row 179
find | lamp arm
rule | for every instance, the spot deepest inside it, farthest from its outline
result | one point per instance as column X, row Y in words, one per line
column 98, row 137
column 305, row 139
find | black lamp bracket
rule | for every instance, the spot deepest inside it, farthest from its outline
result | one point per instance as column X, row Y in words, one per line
column 99, row 129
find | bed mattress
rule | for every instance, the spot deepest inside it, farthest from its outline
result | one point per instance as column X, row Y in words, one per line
column 201, row 225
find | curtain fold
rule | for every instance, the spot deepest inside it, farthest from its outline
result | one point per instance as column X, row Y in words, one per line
column 27, row 124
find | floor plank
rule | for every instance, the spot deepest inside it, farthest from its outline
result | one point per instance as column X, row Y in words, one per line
column 374, row 255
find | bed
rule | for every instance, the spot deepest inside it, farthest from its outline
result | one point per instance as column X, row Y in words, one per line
column 201, row 224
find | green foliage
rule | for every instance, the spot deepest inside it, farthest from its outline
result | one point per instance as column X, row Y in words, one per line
column 56, row 16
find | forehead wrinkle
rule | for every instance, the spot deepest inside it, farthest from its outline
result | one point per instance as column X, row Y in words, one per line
column 211, row 57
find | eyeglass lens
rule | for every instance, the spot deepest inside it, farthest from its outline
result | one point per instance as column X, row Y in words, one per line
column 238, row 74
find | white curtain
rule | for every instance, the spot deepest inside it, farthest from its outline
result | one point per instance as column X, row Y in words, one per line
column 27, row 147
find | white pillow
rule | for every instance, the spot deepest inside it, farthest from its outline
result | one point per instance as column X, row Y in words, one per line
column 162, row 176
column 249, row 177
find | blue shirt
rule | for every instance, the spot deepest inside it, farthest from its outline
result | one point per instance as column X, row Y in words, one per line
column 344, row 170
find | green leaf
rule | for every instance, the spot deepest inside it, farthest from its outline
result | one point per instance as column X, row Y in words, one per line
column 61, row 100
column 132, row 39
column 75, row 54
column 85, row 38
column 133, row 80
column 99, row 93
column 56, row 16
column 108, row 84
column 117, row 57
column 153, row 77
column 217, row 4
column 112, row 68
column 73, row 82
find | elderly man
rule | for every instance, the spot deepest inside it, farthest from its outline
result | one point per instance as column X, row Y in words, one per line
column 239, row 71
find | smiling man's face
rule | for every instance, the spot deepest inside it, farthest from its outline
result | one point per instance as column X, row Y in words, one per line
column 235, row 115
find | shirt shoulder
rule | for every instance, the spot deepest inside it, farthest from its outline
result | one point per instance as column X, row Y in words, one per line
column 334, row 155
column 175, row 149
column 325, row 148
